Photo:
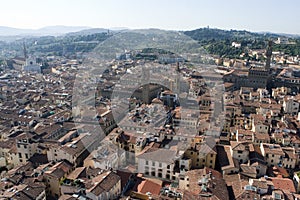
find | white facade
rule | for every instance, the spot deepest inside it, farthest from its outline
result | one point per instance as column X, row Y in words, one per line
column 241, row 156
column 57, row 154
column 31, row 66
column 272, row 153
column 290, row 106
column 260, row 127
column 159, row 164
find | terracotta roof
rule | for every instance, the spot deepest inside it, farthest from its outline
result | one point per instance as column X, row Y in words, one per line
column 104, row 182
column 237, row 184
column 216, row 184
column 241, row 146
column 76, row 173
column 149, row 186
column 283, row 184
column 273, row 149
column 248, row 195
column 59, row 169
column 224, row 157
column 260, row 184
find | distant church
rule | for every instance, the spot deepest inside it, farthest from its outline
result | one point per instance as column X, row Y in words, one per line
column 31, row 65
column 255, row 77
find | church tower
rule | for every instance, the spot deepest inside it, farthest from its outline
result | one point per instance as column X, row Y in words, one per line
column 25, row 50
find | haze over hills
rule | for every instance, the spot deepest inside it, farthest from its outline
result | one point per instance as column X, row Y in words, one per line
column 48, row 30
column 54, row 30
column 62, row 40
column 85, row 30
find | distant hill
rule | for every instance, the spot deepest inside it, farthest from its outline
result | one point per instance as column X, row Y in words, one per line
column 219, row 42
column 88, row 32
column 218, row 34
column 48, row 30
column 67, row 40
column 59, row 30
column 9, row 31
column 92, row 31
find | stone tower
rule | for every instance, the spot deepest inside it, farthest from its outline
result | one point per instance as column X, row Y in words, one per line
column 146, row 84
column 269, row 55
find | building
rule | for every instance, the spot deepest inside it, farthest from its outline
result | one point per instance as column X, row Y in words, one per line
column 74, row 151
column 105, row 186
column 290, row 105
column 296, row 180
column 25, row 191
column 107, row 156
column 273, row 154
column 228, row 164
column 241, row 150
column 203, row 183
column 25, row 147
column 31, row 66
column 54, row 175
column 160, row 163
column 202, row 154
column 254, row 77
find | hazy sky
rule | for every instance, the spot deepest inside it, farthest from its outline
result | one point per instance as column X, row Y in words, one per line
column 256, row 15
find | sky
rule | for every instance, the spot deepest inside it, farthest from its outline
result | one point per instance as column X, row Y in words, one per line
column 256, row 15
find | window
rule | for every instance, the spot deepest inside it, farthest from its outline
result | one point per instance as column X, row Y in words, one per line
column 147, row 162
column 20, row 155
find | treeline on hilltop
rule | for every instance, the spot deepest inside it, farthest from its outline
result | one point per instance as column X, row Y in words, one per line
column 51, row 45
column 66, row 44
column 219, row 42
column 215, row 41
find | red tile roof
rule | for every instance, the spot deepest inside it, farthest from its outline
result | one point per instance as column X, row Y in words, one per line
column 284, row 184
column 149, row 186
